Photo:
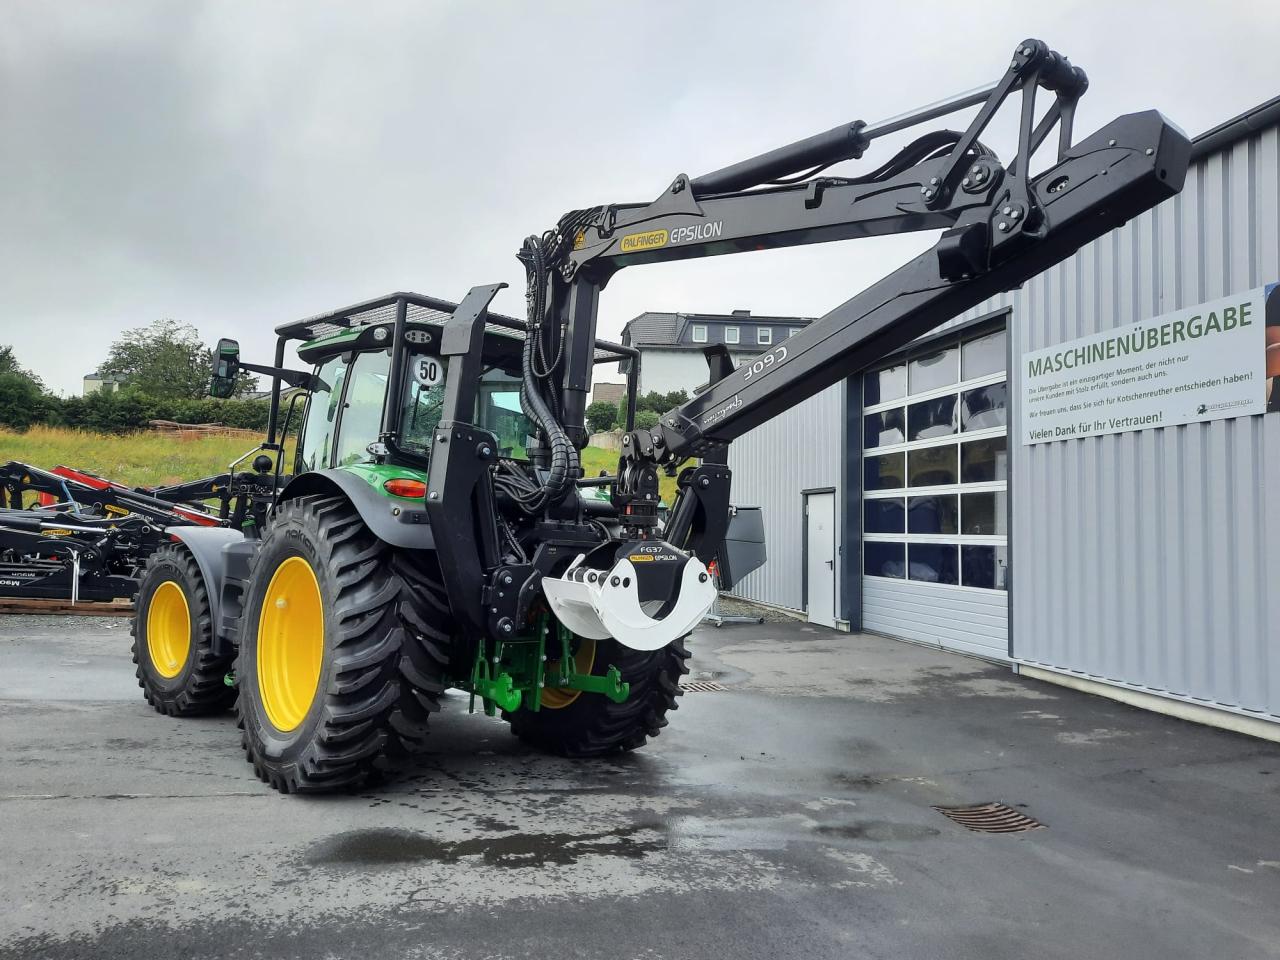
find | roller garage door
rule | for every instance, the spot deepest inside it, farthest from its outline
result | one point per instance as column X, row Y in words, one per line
column 935, row 559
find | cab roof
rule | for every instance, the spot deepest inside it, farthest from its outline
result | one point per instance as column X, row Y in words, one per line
column 420, row 309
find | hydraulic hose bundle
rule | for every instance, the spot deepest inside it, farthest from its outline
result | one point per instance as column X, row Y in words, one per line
column 541, row 357
column 537, row 384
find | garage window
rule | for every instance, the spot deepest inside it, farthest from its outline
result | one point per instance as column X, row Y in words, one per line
column 885, row 472
column 885, row 428
column 881, row 386
column 883, row 515
column 935, row 458
column 885, row 559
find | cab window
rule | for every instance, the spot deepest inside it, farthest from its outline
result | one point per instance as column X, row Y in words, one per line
column 321, row 416
column 500, row 413
column 420, row 413
column 362, row 411
column 497, row 410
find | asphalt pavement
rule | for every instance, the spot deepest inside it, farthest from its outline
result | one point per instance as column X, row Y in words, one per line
column 789, row 814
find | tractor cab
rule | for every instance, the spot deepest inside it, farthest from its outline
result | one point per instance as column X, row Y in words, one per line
column 365, row 419
column 352, row 399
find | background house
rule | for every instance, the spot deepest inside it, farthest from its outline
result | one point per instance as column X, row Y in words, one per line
column 671, row 344
column 608, row 392
column 99, row 381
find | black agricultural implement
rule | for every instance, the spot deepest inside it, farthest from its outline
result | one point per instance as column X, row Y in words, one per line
column 70, row 535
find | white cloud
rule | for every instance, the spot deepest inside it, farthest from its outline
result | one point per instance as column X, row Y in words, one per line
column 236, row 165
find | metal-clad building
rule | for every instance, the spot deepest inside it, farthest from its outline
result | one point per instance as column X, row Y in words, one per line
column 1136, row 563
column 786, row 471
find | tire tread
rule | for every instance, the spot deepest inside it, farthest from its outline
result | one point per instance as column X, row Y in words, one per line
column 204, row 690
column 608, row 727
column 371, row 705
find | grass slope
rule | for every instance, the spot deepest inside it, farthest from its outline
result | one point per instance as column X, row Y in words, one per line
column 148, row 459
column 135, row 459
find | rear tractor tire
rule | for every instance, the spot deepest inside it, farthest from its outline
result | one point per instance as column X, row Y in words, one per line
column 572, row 723
column 322, row 648
column 172, row 638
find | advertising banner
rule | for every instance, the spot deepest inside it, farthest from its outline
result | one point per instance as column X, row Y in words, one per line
column 1216, row 360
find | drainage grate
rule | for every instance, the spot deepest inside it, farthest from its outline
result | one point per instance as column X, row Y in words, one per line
column 990, row 818
column 701, row 686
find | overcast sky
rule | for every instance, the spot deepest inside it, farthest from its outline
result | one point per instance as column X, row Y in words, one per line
column 236, row 165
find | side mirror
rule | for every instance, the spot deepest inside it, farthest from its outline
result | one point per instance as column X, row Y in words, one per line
column 226, row 368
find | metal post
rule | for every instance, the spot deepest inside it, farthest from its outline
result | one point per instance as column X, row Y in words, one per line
column 274, row 414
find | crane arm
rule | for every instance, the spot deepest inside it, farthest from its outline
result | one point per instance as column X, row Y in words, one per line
column 1000, row 226
column 644, row 583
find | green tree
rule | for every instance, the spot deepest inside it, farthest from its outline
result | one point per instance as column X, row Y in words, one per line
column 602, row 415
column 653, row 400
column 9, row 364
column 22, row 402
column 646, row 419
column 166, row 360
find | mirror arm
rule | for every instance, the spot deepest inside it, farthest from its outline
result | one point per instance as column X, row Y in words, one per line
column 294, row 378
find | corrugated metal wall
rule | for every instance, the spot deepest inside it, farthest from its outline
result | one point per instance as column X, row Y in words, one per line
column 800, row 450
column 1151, row 559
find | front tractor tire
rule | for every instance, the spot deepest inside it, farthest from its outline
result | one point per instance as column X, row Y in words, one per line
column 319, row 665
column 576, row 724
column 173, row 635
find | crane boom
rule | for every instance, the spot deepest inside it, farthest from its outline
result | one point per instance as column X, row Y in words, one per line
column 1000, row 225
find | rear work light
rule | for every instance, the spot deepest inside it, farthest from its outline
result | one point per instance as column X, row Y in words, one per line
column 406, row 487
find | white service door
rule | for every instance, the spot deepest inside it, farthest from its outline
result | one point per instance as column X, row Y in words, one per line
column 820, row 560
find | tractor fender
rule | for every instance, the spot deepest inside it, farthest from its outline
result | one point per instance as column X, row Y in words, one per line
column 206, row 545
column 396, row 521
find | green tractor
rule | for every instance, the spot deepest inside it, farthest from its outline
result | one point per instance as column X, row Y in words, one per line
column 437, row 528
column 331, row 627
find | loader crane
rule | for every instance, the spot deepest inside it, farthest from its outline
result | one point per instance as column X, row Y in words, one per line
column 438, row 529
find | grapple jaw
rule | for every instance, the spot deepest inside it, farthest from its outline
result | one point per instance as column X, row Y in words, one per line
column 651, row 595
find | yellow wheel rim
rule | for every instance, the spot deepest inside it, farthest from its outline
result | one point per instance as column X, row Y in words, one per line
column 554, row 698
column 290, row 643
column 168, row 629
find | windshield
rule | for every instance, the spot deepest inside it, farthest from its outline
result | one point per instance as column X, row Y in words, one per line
column 420, row 413
column 499, row 412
